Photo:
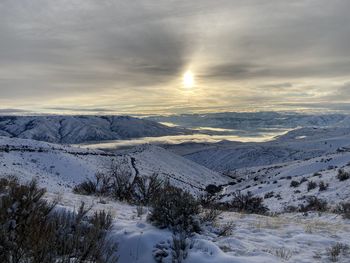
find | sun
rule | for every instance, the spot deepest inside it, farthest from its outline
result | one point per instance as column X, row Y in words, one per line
column 188, row 80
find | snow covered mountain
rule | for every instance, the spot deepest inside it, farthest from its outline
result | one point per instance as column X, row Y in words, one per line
column 79, row 129
column 255, row 121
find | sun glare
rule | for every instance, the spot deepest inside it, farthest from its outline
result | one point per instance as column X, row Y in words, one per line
column 188, row 79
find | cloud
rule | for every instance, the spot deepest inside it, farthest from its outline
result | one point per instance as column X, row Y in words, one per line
column 12, row 111
column 130, row 55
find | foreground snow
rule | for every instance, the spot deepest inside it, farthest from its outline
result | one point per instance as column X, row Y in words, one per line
column 284, row 238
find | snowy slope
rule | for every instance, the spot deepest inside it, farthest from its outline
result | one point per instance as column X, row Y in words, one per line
column 298, row 144
column 276, row 180
column 78, row 129
column 255, row 121
column 290, row 238
column 177, row 169
column 265, row 239
column 56, row 166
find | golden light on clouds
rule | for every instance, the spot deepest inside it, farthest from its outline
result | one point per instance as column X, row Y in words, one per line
column 188, row 79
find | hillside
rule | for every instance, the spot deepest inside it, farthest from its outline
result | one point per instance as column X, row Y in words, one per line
column 274, row 183
column 79, row 129
column 248, row 238
column 255, row 121
column 297, row 144
column 58, row 167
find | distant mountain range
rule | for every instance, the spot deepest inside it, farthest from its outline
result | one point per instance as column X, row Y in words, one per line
column 80, row 129
column 298, row 144
column 253, row 122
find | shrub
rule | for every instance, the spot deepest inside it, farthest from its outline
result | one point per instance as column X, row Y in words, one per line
column 83, row 237
column 294, row 183
column 291, row 209
column 248, row 203
column 336, row 250
column 317, row 174
column 147, row 188
column 210, row 215
column 181, row 245
column 176, row 209
column 344, row 209
column 226, row 229
column 116, row 183
column 314, row 204
column 208, row 200
column 311, row 185
column 88, row 187
column 32, row 231
column 269, row 195
column 121, row 186
column 175, row 251
column 322, row 186
column 212, row 189
column 342, row 175
column 284, row 253
column 303, row 180
column 100, row 185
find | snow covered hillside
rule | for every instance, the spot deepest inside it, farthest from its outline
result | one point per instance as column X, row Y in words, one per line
column 255, row 121
column 79, row 129
column 57, row 167
column 233, row 237
column 292, row 183
column 298, row 144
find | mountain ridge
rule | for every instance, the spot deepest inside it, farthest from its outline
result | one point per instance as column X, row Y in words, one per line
column 74, row 129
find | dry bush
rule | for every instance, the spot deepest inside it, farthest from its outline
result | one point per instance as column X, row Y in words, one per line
column 208, row 200
column 314, row 204
column 269, row 195
column 181, row 245
column 294, row 183
column 226, row 229
column 283, row 253
column 115, row 183
column 342, row 175
column 311, row 185
column 344, row 210
column 322, row 186
column 23, row 216
column 121, row 184
column 210, row 215
column 335, row 251
column 175, row 251
column 99, row 186
column 32, row 230
column 88, row 187
column 247, row 203
column 147, row 189
column 176, row 209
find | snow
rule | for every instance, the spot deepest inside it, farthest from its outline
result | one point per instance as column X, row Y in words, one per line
column 254, row 238
column 56, row 166
column 277, row 178
column 312, row 153
column 289, row 147
column 79, row 129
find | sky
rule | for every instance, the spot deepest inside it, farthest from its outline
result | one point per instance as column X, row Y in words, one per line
column 119, row 56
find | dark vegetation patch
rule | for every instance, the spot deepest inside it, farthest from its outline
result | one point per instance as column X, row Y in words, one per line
column 33, row 230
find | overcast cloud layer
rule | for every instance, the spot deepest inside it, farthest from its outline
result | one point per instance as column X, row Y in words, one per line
column 129, row 56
